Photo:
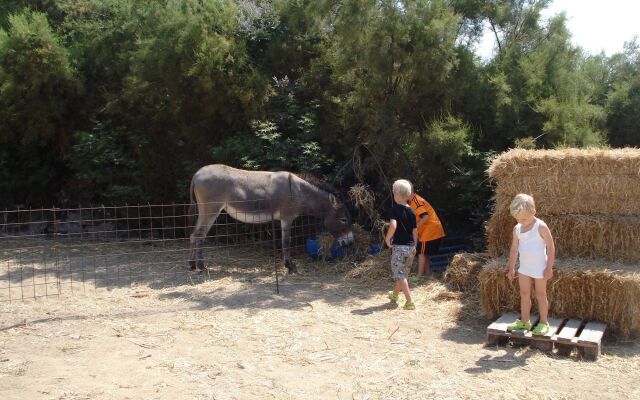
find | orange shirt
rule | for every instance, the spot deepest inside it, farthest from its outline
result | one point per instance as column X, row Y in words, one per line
column 432, row 229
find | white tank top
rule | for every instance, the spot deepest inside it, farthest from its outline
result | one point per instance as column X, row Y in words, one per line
column 532, row 250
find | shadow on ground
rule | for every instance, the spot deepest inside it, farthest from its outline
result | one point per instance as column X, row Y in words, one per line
column 506, row 360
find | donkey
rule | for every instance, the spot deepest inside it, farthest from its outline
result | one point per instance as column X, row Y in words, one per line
column 257, row 197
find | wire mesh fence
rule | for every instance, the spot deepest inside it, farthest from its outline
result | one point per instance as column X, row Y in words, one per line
column 53, row 251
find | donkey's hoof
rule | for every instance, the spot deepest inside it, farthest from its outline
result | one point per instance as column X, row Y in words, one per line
column 291, row 267
column 293, row 270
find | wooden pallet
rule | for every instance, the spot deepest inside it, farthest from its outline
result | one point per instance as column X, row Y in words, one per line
column 564, row 335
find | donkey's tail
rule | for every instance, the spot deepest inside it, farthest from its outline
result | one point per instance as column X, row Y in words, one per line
column 192, row 204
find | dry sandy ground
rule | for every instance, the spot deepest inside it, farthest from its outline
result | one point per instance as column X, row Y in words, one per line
column 322, row 337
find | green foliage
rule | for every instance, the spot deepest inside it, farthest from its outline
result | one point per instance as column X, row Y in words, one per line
column 467, row 205
column 104, row 167
column 189, row 64
column 449, row 172
column 39, row 89
column 123, row 100
column 525, row 143
column 38, row 85
column 268, row 150
column 9, row 7
column 623, row 102
column 285, row 142
column 437, row 149
column 571, row 123
column 623, row 116
column 396, row 69
column 539, row 83
column 5, row 174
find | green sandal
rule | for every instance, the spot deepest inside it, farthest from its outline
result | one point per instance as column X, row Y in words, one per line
column 519, row 325
column 541, row 329
column 392, row 296
column 409, row 305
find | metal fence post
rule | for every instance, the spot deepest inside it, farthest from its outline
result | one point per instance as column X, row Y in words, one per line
column 275, row 250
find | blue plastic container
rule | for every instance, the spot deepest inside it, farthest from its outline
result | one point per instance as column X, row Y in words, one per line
column 341, row 251
column 313, row 249
column 374, row 249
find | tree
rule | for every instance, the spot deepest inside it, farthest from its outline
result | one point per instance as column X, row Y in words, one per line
column 538, row 86
column 623, row 100
column 38, row 91
column 38, row 83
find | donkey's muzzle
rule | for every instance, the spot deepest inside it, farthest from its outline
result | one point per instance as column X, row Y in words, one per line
column 346, row 239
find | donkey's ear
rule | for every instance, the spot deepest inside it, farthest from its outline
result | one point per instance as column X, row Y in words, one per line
column 333, row 200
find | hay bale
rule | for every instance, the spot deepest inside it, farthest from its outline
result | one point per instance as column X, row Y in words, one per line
column 462, row 272
column 592, row 290
column 565, row 163
column 612, row 237
column 579, row 197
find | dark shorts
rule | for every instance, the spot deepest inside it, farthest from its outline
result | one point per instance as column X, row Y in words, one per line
column 428, row 248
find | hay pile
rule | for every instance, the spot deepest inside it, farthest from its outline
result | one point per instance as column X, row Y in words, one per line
column 364, row 200
column 361, row 265
column 356, row 256
column 580, row 288
column 589, row 198
column 362, row 239
column 374, row 268
column 462, row 272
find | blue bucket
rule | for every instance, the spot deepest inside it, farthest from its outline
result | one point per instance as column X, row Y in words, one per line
column 341, row 251
column 374, row 249
column 313, row 249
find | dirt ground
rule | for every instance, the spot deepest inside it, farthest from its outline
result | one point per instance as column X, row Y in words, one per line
column 322, row 337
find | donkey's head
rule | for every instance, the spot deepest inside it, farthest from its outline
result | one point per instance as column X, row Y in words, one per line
column 338, row 221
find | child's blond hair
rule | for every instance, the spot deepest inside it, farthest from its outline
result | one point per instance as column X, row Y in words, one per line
column 522, row 202
column 402, row 187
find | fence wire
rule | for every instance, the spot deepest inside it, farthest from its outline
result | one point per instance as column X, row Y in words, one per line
column 54, row 251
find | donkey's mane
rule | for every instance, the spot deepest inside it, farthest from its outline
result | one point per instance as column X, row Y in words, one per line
column 317, row 182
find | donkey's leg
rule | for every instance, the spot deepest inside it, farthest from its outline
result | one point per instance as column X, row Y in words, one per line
column 196, row 239
column 285, row 227
column 207, row 214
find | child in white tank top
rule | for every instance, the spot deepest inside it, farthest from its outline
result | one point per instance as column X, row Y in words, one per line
column 532, row 250
column 533, row 242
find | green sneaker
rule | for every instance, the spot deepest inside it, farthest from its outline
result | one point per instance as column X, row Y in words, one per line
column 409, row 305
column 392, row 296
column 519, row 325
column 541, row 329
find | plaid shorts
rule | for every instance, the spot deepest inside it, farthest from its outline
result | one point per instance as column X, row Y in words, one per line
column 401, row 260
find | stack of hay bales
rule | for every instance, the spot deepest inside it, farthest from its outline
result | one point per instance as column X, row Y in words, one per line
column 590, row 199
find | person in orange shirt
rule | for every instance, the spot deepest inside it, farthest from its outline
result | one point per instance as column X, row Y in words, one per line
column 430, row 231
